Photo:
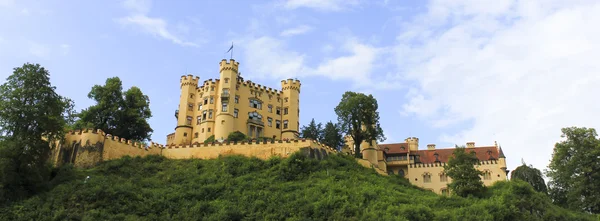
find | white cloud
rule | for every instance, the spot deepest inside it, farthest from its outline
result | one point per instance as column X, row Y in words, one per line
column 302, row 29
column 515, row 72
column 324, row 5
column 154, row 26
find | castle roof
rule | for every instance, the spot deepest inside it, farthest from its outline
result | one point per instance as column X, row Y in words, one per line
column 443, row 155
column 394, row 148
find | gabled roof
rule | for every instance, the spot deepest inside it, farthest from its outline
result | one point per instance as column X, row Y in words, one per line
column 443, row 155
column 394, row 148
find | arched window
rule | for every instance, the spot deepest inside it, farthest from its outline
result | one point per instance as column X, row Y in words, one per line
column 401, row 172
column 445, row 192
column 443, row 177
column 427, row 177
column 487, row 175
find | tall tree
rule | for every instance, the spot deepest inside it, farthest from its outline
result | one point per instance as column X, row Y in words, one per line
column 32, row 116
column 574, row 170
column 466, row 178
column 123, row 114
column 332, row 136
column 313, row 131
column 358, row 117
column 530, row 175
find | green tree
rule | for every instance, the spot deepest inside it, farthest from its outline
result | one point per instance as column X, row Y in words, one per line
column 358, row 117
column 530, row 175
column 574, row 170
column 466, row 178
column 332, row 136
column 32, row 116
column 313, row 131
column 123, row 114
column 236, row 136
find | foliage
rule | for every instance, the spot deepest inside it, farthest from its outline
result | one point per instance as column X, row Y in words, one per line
column 530, row 175
column 210, row 139
column 358, row 117
column 332, row 136
column 313, row 131
column 236, row 136
column 466, row 180
column 123, row 114
column 240, row 188
column 574, row 170
column 32, row 115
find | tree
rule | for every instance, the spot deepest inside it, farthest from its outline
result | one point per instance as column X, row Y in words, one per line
column 32, row 116
column 313, row 131
column 466, row 178
column 530, row 175
column 123, row 114
column 358, row 117
column 332, row 136
column 574, row 170
column 236, row 136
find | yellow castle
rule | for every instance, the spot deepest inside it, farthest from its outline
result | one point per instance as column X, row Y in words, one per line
column 425, row 168
column 228, row 104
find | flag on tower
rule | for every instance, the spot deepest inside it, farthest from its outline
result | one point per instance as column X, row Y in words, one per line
column 231, row 48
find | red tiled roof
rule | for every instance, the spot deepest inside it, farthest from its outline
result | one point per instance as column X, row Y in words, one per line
column 482, row 153
column 394, row 148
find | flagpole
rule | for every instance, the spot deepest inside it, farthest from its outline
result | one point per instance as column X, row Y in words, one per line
column 231, row 58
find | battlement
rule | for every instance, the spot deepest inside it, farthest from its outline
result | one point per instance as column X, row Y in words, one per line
column 440, row 164
column 189, row 80
column 99, row 135
column 290, row 84
column 229, row 65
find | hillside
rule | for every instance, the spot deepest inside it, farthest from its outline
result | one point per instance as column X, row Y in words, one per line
column 239, row 188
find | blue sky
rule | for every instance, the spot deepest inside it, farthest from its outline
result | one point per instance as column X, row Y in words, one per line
column 448, row 72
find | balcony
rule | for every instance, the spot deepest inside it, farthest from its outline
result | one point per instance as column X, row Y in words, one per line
column 256, row 122
column 225, row 96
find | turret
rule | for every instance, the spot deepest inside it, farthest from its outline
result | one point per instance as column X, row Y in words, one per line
column 413, row 143
column 228, row 72
column 290, row 89
column 185, row 113
column 502, row 160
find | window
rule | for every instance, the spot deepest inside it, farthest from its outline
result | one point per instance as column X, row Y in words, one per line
column 278, row 111
column 205, row 100
column 285, row 111
column 210, row 114
column 285, row 124
column 445, row 192
column 254, row 116
column 235, row 112
column 209, row 129
column 200, row 106
column 427, row 178
column 185, row 134
column 255, row 104
column 191, row 95
column 226, row 80
column 212, row 100
column 270, row 108
column 190, row 107
column 225, row 90
column 237, row 86
column 204, row 115
column 236, row 99
column 198, row 120
column 277, row 124
column 278, row 99
column 443, row 177
column 196, row 135
column 270, row 97
column 224, row 107
column 212, row 88
column 188, row 120
column 270, row 121
column 286, row 99
column 487, row 175
column 202, row 130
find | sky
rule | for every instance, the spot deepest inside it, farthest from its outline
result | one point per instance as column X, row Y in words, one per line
column 446, row 71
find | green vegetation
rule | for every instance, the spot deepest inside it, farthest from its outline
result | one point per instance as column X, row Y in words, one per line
column 466, row 180
column 30, row 109
column 358, row 117
column 330, row 135
column 574, row 171
column 236, row 136
column 123, row 114
column 312, row 131
column 531, row 175
column 239, row 188
column 210, row 139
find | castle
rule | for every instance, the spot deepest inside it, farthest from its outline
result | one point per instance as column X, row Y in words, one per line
column 425, row 168
column 228, row 104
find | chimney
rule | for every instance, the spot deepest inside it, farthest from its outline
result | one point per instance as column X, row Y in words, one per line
column 431, row 146
column 470, row 144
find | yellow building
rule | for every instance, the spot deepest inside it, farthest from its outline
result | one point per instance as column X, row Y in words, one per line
column 228, row 104
column 424, row 168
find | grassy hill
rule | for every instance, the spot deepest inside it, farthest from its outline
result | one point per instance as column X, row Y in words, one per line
column 239, row 188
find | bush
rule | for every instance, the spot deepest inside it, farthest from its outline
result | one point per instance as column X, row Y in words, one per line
column 236, row 136
column 209, row 139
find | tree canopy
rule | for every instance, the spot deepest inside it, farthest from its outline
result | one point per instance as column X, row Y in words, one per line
column 313, row 131
column 236, row 136
column 358, row 117
column 530, row 175
column 332, row 136
column 466, row 178
column 574, row 170
column 123, row 114
column 32, row 115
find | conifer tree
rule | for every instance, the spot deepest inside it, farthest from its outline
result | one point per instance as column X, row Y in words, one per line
column 313, row 131
column 332, row 136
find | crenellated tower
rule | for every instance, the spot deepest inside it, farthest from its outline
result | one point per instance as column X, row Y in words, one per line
column 185, row 113
column 413, row 143
column 290, row 90
column 224, row 121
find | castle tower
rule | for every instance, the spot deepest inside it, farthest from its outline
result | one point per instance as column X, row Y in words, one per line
column 413, row 143
column 185, row 114
column 290, row 89
column 224, row 121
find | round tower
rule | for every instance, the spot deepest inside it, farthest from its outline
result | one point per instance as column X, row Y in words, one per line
column 290, row 89
column 185, row 113
column 224, row 121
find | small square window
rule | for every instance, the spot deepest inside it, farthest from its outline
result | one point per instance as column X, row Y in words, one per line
column 209, row 129
column 235, row 113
